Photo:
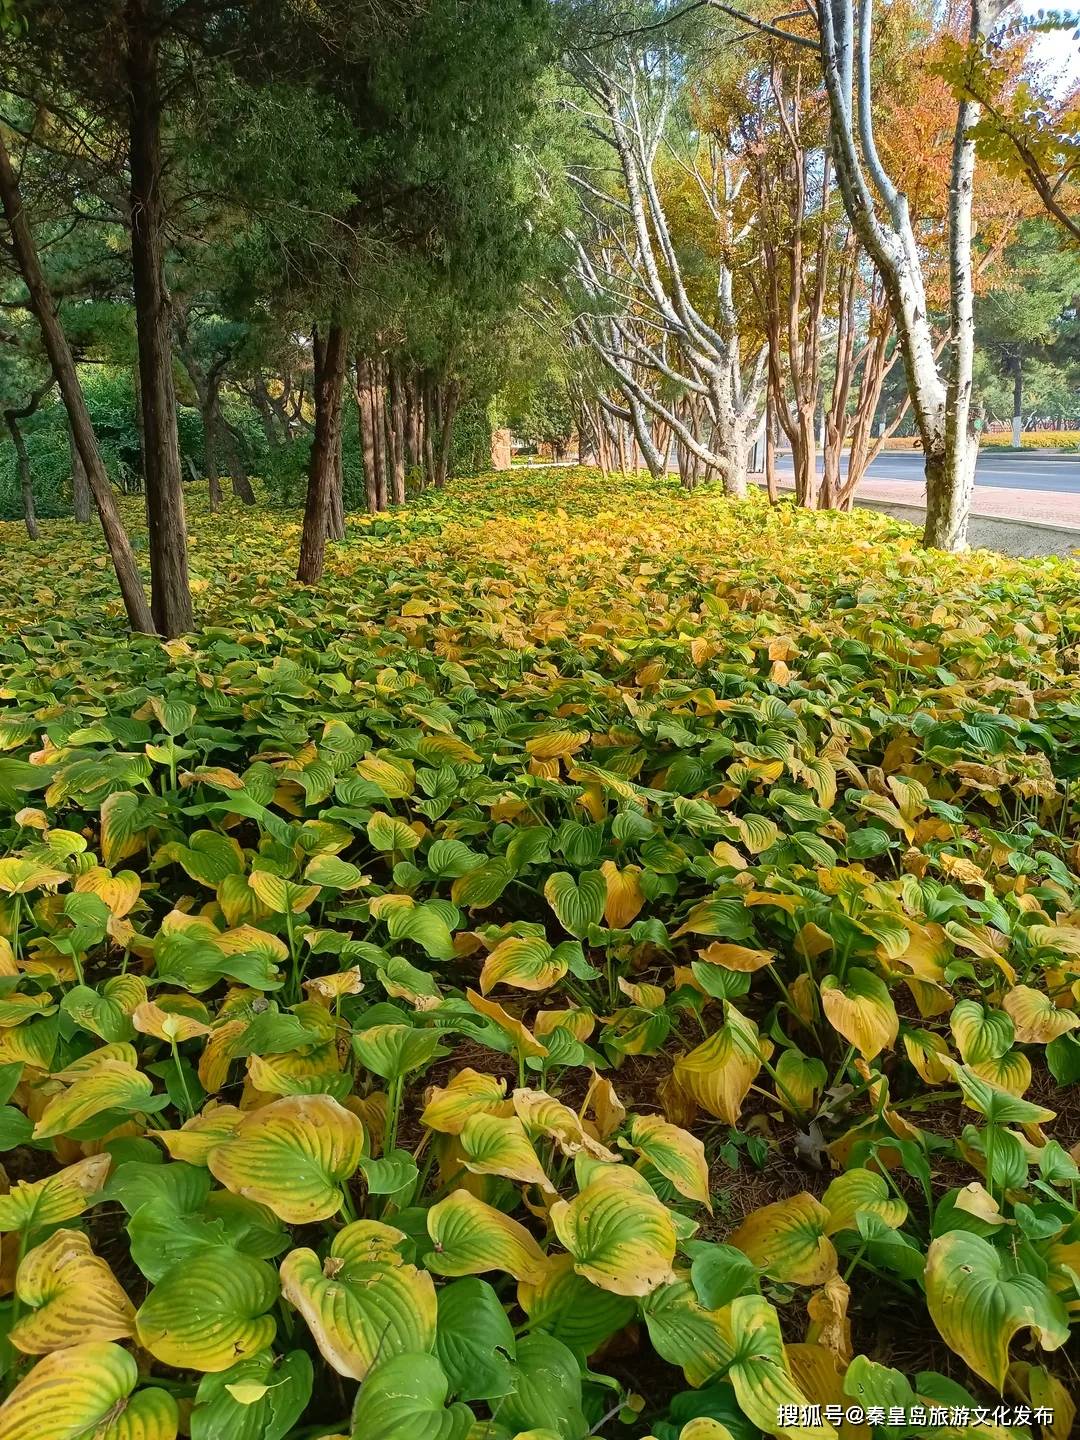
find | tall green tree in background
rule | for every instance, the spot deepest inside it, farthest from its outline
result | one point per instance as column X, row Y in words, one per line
column 1018, row 319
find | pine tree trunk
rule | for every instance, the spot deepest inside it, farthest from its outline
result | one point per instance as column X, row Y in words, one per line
column 170, row 594
column 26, row 487
column 81, row 499
column 431, row 429
column 238, row 476
column 379, row 433
column 397, row 429
column 447, row 411
column 365, row 421
column 329, row 379
column 63, row 368
column 210, row 434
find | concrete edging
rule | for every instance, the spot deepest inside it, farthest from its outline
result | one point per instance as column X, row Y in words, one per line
column 996, row 532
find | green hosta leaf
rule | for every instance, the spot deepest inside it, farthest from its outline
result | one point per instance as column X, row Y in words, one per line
column 209, row 1311
column 258, row 1399
column 407, row 1396
column 546, row 1389
column 980, row 1034
column 577, row 904
column 475, row 1340
column 391, row 835
column 450, row 859
column 333, row 873
column 394, row 1051
column 979, row 1298
column 686, row 1332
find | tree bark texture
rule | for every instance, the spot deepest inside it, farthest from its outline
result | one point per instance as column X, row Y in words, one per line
column 170, row 593
column 330, row 362
column 67, row 379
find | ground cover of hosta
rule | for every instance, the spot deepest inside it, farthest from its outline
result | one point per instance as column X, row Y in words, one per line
column 606, row 963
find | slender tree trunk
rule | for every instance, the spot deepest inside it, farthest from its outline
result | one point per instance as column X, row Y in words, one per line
column 447, row 412
column 170, row 594
column 238, row 476
column 336, row 524
column 81, row 499
column 1018, row 400
column 26, row 486
column 771, row 486
column 431, row 429
column 329, row 379
column 397, row 427
column 365, row 420
column 210, row 435
column 63, row 368
column 379, row 433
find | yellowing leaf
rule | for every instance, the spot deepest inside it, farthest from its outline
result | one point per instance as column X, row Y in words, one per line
column 292, row 1156
column 466, row 1093
column 979, row 1301
column 858, row 1191
column 34, row 1204
column 498, row 1145
column 113, row 1085
column 526, row 962
column 72, row 1294
column 624, row 895
column 788, row 1240
column 471, row 1238
column 719, row 1073
column 84, row 1393
column 621, row 1240
column 861, row 1010
column 678, row 1155
column 363, row 1301
column 1036, row 1017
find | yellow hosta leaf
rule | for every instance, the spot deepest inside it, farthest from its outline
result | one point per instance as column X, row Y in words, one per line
column 194, row 1141
column 1011, row 1072
column 498, row 1145
column 73, row 1295
column 624, row 895
column 607, row 1109
column 34, row 1204
column 788, row 1240
column 557, row 744
column 923, row 1048
column 362, row 1301
column 113, row 1085
column 173, row 1028
column 719, row 1073
column 471, row 1238
column 292, row 1156
column 622, row 1240
column 735, row 957
column 1036, row 1017
column 18, row 876
column 525, row 1042
column 84, row 1393
column 819, row 1373
column 525, row 962
column 861, row 1010
column 677, row 1154
column 827, row 1311
column 467, row 1093
column 861, row 1190
column 542, row 1114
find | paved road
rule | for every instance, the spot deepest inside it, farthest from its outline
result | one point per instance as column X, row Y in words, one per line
column 1013, row 471
column 1023, row 471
